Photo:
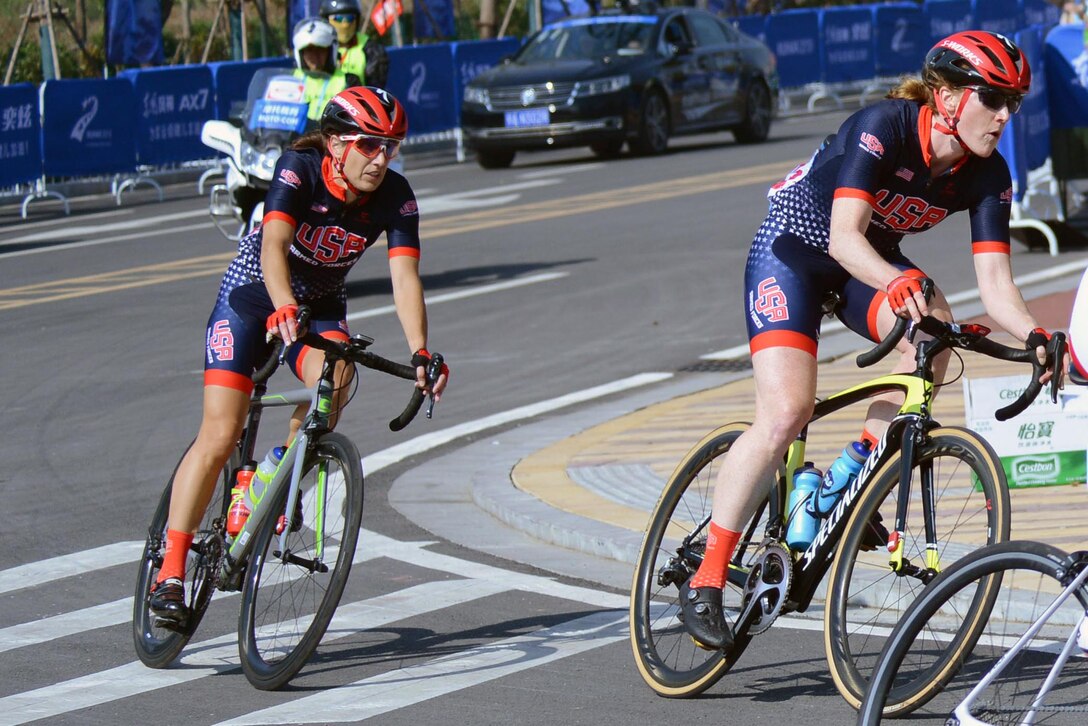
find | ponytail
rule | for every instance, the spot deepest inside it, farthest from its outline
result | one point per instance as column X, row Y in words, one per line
column 912, row 88
column 312, row 140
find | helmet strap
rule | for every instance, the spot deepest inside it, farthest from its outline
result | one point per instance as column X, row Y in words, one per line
column 951, row 121
column 338, row 166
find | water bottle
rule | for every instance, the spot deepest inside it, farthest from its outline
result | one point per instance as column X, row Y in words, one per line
column 263, row 476
column 838, row 477
column 239, row 509
column 800, row 524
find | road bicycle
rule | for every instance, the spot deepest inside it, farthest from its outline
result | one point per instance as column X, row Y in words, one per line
column 943, row 487
column 293, row 556
column 1025, row 661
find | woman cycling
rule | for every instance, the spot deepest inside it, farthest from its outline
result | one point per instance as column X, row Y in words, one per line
column 833, row 228
column 331, row 198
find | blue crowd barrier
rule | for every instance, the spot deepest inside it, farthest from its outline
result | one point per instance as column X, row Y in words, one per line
column 1026, row 141
column 902, row 38
column 793, row 36
column 88, row 127
column 998, row 16
column 172, row 105
column 1040, row 12
column 471, row 58
column 231, row 81
column 846, row 35
column 753, row 25
column 421, row 77
column 1067, row 76
column 20, row 134
column 946, row 17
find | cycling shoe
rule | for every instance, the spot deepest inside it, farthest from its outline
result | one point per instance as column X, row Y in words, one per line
column 703, row 618
column 167, row 604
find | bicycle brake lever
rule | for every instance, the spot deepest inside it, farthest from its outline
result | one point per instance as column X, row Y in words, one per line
column 434, row 371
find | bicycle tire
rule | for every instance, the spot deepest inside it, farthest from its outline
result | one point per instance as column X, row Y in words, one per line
column 285, row 609
column 865, row 598
column 157, row 647
column 1030, row 574
column 666, row 657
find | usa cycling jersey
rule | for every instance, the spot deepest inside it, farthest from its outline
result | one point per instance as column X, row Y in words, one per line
column 330, row 237
column 882, row 155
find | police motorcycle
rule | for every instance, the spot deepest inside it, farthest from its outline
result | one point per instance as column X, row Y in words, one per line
column 274, row 115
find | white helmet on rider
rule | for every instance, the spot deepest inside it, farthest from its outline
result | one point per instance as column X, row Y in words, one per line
column 315, row 32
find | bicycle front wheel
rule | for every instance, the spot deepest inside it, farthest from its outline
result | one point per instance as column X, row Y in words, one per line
column 157, row 647
column 926, row 643
column 865, row 597
column 290, row 596
column 667, row 658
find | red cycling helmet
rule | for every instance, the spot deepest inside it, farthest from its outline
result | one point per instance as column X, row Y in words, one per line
column 365, row 110
column 979, row 58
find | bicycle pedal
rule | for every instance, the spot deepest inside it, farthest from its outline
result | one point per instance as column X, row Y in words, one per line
column 172, row 625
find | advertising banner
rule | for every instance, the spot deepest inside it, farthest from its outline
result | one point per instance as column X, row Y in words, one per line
column 88, row 127
column 20, row 134
column 173, row 104
column 1043, row 446
column 947, row 17
column 792, row 35
column 471, row 58
column 421, row 77
column 847, row 44
column 231, row 80
column 998, row 16
column 902, row 38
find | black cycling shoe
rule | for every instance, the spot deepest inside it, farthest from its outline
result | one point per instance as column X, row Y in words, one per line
column 167, row 603
column 876, row 534
column 703, row 619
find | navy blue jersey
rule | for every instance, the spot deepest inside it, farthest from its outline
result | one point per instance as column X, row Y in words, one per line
column 330, row 235
column 882, row 154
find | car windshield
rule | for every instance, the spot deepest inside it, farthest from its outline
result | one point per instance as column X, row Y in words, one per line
column 590, row 38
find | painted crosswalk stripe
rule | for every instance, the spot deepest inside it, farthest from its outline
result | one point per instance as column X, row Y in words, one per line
column 407, row 686
column 70, row 565
column 221, row 654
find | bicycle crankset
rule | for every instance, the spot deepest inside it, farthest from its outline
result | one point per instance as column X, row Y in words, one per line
column 768, row 584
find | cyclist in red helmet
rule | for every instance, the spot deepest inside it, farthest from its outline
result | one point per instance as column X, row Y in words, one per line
column 331, row 198
column 834, row 228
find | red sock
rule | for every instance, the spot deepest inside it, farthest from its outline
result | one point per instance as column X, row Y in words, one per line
column 720, row 543
column 177, row 551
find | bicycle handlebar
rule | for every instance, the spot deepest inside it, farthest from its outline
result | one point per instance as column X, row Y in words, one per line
column 356, row 352
column 974, row 338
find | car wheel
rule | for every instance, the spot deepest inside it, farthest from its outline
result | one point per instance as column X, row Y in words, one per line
column 492, row 159
column 757, row 115
column 607, row 149
column 653, row 125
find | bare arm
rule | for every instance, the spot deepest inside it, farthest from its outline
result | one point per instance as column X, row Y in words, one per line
column 1004, row 302
column 276, row 236
column 412, row 312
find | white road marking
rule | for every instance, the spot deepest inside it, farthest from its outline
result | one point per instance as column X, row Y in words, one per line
column 461, row 294
column 478, row 198
column 70, row 565
column 403, row 687
column 566, row 169
column 150, row 224
column 143, row 234
column 23, row 226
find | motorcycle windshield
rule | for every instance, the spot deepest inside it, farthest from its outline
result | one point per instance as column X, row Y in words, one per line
column 275, row 111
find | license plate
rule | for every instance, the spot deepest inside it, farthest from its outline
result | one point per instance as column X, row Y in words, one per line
column 528, row 117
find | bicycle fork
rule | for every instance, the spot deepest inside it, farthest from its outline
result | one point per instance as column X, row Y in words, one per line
column 912, row 434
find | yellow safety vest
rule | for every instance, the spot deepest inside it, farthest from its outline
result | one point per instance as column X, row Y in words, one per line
column 353, row 59
column 319, row 90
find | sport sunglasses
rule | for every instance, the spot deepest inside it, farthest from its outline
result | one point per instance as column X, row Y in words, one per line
column 343, row 18
column 996, row 100
column 371, row 146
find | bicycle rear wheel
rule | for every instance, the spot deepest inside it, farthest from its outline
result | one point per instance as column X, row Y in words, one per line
column 157, row 647
column 667, row 658
column 287, row 602
column 866, row 598
column 927, row 643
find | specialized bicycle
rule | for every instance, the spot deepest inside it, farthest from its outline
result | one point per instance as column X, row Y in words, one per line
column 943, row 487
column 293, row 556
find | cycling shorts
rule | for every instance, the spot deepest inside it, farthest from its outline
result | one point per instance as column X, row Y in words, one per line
column 235, row 342
column 786, row 282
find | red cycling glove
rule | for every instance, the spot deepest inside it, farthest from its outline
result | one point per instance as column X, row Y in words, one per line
column 422, row 357
column 1037, row 338
column 283, row 314
column 902, row 289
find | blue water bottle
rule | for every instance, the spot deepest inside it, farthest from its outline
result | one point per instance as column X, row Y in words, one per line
column 800, row 524
column 263, row 476
column 838, row 477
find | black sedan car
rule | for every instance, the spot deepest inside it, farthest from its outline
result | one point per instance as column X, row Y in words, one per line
column 621, row 77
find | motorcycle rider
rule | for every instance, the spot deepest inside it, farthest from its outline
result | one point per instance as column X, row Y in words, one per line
column 314, row 43
column 359, row 55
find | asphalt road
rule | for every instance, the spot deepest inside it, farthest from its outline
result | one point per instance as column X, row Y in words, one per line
column 557, row 275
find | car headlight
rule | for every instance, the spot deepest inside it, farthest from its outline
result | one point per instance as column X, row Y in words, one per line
column 602, row 85
column 475, row 94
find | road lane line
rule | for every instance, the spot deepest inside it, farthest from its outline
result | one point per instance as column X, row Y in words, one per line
column 149, row 225
column 104, row 240
column 70, row 565
column 414, row 684
column 461, row 294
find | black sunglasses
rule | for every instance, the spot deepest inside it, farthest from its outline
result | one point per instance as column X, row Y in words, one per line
column 996, row 100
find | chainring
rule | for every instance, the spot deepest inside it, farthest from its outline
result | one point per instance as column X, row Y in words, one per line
column 767, row 587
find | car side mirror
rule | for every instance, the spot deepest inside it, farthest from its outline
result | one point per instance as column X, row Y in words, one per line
column 681, row 48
